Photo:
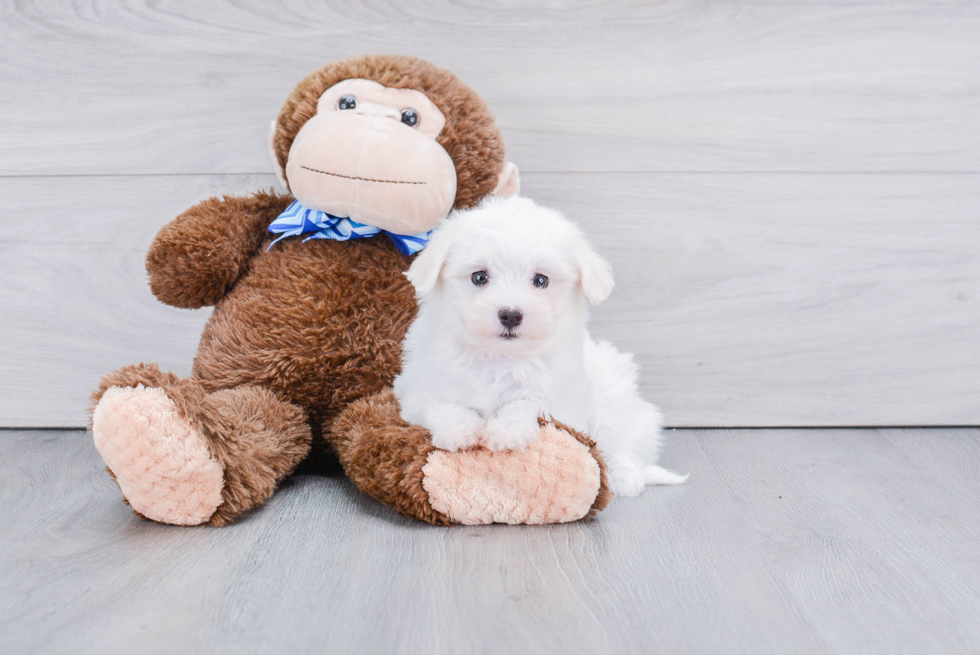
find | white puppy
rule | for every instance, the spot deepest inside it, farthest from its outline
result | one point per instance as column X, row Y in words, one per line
column 501, row 339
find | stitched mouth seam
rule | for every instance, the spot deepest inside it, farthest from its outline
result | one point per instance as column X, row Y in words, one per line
column 362, row 179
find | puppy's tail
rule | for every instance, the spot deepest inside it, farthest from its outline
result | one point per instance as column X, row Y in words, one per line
column 653, row 474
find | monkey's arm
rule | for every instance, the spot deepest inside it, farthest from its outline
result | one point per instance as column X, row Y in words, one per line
column 196, row 258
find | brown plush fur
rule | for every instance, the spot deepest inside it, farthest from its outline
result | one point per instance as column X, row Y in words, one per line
column 303, row 330
column 319, row 323
column 197, row 258
column 470, row 136
column 383, row 455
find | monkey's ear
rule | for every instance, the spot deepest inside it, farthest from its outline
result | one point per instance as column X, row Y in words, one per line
column 424, row 271
column 595, row 273
column 280, row 173
column 509, row 182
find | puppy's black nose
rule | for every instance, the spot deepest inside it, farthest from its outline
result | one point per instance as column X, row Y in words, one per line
column 510, row 318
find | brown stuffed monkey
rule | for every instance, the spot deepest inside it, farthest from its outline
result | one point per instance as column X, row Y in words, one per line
column 309, row 314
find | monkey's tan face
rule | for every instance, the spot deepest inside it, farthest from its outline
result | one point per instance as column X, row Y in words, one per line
column 371, row 154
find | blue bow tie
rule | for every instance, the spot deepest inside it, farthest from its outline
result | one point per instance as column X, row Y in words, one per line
column 298, row 219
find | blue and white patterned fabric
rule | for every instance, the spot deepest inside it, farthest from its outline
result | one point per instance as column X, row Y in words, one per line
column 298, row 219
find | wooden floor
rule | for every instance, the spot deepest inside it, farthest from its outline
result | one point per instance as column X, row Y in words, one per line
column 783, row 541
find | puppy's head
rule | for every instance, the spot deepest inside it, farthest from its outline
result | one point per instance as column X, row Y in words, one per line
column 509, row 277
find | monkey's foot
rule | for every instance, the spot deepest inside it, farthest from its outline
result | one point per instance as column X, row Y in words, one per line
column 560, row 477
column 556, row 479
column 159, row 459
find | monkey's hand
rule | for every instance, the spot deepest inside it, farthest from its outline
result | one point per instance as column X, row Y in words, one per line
column 196, row 258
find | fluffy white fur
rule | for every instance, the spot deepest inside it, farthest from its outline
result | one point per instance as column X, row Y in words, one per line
column 471, row 380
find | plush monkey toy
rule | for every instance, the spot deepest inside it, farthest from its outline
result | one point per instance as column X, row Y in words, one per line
column 310, row 308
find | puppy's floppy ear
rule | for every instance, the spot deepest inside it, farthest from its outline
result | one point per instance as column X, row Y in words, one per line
column 424, row 271
column 595, row 273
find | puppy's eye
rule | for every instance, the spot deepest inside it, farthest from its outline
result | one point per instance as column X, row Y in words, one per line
column 540, row 281
column 347, row 102
column 410, row 117
column 480, row 278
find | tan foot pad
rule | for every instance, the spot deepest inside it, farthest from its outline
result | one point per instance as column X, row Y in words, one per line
column 160, row 460
column 554, row 480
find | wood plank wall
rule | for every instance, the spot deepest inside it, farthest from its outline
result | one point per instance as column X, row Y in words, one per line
column 789, row 192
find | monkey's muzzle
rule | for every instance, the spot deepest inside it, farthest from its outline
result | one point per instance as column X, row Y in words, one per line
column 372, row 169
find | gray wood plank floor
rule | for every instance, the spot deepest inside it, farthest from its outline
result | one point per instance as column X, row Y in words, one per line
column 783, row 541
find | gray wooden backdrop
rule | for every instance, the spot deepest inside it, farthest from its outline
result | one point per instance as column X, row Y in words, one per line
column 789, row 191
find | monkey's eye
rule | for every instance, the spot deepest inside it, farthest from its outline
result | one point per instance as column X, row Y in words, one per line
column 480, row 278
column 347, row 102
column 540, row 281
column 410, row 117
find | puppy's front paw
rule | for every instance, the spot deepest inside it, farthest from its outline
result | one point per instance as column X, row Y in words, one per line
column 511, row 432
column 456, row 438
column 454, row 428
